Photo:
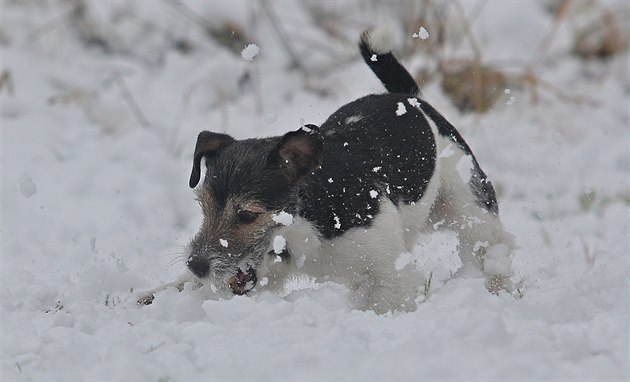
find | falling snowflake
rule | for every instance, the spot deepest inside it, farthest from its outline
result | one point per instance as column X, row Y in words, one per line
column 250, row 52
column 422, row 34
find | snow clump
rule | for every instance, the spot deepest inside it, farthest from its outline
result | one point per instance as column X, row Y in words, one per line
column 422, row 34
column 279, row 244
column 414, row 102
column 401, row 109
column 283, row 218
column 250, row 52
column 27, row 187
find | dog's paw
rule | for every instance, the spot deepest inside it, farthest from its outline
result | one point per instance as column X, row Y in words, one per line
column 388, row 300
column 496, row 283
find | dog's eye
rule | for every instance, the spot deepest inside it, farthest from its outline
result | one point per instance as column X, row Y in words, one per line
column 246, row 217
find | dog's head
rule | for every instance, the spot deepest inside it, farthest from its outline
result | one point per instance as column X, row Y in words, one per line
column 247, row 184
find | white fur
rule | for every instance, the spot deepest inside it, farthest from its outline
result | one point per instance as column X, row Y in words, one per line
column 479, row 230
column 364, row 259
column 380, row 40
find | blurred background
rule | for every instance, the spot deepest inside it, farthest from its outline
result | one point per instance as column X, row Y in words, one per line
column 100, row 106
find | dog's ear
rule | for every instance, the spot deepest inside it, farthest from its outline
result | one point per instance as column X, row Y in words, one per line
column 299, row 152
column 208, row 144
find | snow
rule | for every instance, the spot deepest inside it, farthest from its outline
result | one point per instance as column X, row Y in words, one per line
column 414, row 102
column 373, row 194
column 283, row 218
column 403, row 260
column 96, row 207
column 495, row 260
column 401, row 110
column 270, row 118
column 27, row 187
column 422, row 34
column 337, row 224
column 223, row 242
column 250, row 52
column 279, row 244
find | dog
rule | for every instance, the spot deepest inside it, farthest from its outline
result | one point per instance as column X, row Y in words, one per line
column 342, row 201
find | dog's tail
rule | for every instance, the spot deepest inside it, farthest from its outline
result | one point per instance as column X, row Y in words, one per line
column 376, row 49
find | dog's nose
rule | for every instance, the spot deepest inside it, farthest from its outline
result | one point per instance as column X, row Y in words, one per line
column 198, row 266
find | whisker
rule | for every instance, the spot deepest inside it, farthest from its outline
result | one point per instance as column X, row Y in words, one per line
column 180, row 267
column 172, row 253
column 174, row 263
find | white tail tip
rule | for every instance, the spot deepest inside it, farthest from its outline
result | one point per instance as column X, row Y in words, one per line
column 380, row 40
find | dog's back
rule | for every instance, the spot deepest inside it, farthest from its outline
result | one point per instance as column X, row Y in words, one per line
column 370, row 153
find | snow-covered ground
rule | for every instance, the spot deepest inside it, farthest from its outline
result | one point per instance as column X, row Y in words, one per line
column 96, row 154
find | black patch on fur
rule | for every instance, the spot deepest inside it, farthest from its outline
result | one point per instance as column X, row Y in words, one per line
column 392, row 74
column 244, row 169
column 199, row 266
column 482, row 188
column 208, row 144
column 479, row 184
column 285, row 255
column 392, row 155
column 299, row 152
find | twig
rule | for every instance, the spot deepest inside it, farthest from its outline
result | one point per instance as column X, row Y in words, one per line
column 53, row 23
column 558, row 16
column 530, row 78
column 477, row 75
column 281, row 35
column 180, row 113
column 255, row 71
column 131, row 102
column 427, row 284
column 471, row 18
column 590, row 258
column 232, row 43
column 187, row 12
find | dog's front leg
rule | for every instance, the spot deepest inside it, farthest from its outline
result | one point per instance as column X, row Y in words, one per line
column 367, row 259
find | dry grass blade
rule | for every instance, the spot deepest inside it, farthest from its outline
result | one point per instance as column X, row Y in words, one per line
column 559, row 15
column 281, row 35
column 472, row 87
column 530, row 78
column 601, row 39
column 130, row 100
column 6, row 82
column 229, row 34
